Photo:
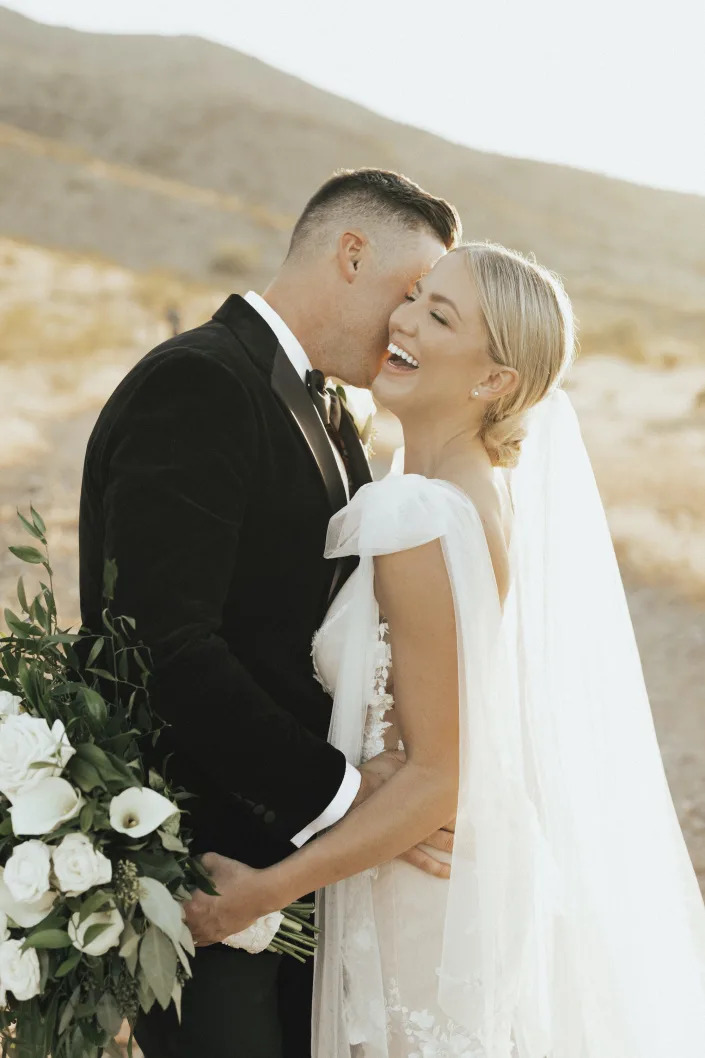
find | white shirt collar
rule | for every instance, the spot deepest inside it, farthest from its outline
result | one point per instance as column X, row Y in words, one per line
column 288, row 341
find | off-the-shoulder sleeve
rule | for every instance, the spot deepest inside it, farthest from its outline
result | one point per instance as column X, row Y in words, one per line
column 394, row 514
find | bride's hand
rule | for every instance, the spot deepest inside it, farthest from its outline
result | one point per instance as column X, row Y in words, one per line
column 239, row 903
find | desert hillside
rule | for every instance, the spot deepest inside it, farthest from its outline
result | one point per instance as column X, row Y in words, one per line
column 183, row 154
column 142, row 179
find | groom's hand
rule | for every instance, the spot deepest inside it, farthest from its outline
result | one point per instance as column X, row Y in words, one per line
column 237, row 905
column 378, row 770
column 420, row 857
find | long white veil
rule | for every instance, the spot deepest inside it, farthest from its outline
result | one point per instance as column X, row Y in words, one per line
column 615, row 956
column 574, row 926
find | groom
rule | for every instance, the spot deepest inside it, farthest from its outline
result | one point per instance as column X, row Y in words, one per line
column 210, row 478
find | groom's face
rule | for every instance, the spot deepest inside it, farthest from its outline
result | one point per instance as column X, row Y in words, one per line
column 383, row 283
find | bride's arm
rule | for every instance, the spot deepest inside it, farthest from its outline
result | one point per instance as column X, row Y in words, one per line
column 414, row 593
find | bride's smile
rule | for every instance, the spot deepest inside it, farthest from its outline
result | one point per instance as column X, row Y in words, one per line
column 438, row 351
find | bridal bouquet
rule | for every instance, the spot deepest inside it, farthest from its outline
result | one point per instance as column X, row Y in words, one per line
column 95, row 864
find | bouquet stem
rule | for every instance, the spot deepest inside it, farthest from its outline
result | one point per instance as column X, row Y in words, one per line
column 297, row 936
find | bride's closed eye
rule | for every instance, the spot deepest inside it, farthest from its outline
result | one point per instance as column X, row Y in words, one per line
column 436, row 315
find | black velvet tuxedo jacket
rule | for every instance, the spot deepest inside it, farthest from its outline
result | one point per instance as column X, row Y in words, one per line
column 210, row 479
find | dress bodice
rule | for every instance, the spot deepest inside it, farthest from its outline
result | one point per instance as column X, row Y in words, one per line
column 327, row 651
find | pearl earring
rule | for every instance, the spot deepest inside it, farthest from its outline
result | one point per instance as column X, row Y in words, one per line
column 476, row 393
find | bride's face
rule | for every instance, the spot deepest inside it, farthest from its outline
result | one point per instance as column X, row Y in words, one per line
column 437, row 344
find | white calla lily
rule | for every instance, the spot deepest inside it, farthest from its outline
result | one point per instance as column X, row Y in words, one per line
column 44, row 807
column 137, row 812
column 22, row 913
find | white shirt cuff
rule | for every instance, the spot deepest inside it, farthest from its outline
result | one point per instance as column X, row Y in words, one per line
column 336, row 809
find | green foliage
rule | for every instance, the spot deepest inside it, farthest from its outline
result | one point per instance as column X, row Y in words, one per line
column 96, row 683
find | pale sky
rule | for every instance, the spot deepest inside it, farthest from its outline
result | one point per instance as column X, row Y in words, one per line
column 616, row 86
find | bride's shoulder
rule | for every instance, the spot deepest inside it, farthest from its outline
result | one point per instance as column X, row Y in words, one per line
column 399, row 512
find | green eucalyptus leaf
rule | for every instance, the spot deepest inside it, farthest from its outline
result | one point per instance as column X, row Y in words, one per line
column 95, row 651
column 38, row 520
column 94, row 931
column 22, row 595
column 47, row 938
column 33, row 530
column 84, row 774
column 21, row 628
column 97, row 901
column 158, row 960
column 68, row 964
column 145, row 994
column 86, row 815
column 108, row 1015
column 39, row 614
column 69, row 1010
column 109, row 767
column 28, row 554
column 102, row 673
column 171, row 843
column 161, row 908
column 95, row 705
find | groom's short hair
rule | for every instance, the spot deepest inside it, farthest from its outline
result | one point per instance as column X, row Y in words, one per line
column 380, row 196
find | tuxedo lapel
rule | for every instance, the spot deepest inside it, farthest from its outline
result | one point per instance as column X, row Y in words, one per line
column 293, row 394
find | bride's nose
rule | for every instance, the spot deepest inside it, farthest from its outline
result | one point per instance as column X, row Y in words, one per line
column 402, row 319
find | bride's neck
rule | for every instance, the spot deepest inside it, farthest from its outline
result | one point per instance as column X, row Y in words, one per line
column 439, row 452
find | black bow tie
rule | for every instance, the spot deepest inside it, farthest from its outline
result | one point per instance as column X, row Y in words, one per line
column 341, row 429
column 326, row 401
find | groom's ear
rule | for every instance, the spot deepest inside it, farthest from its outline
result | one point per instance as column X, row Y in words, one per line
column 351, row 246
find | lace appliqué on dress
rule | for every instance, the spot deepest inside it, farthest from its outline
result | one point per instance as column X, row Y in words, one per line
column 425, row 1035
column 381, row 701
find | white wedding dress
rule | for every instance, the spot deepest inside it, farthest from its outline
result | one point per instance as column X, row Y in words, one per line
column 394, row 931
column 572, row 925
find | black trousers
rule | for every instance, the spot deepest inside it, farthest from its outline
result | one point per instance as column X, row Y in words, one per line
column 235, row 1006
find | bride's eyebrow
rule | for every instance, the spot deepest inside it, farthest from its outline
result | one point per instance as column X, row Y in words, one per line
column 439, row 298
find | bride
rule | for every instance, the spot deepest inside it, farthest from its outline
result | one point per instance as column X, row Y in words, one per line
column 485, row 632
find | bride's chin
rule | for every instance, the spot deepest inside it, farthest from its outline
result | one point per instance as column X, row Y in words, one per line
column 391, row 393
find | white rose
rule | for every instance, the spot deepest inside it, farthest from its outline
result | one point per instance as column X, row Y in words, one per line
column 4, row 931
column 24, row 914
column 19, row 970
column 108, row 938
column 78, row 865
column 26, row 740
column 45, row 807
column 9, row 704
column 27, row 871
column 137, row 812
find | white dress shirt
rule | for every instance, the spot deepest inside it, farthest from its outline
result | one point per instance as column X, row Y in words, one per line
column 294, row 350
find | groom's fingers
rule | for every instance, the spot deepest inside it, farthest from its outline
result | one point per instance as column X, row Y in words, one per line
column 419, row 858
column 442, row 840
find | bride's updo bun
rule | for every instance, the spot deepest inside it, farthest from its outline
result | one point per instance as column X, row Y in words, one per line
column 531, row 328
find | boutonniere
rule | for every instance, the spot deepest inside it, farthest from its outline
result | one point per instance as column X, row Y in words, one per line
column 360, row 403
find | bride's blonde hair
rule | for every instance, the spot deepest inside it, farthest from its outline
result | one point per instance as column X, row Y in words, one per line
column 531, row 328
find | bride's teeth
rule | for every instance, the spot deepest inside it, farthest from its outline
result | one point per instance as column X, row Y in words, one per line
column 402, row 353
